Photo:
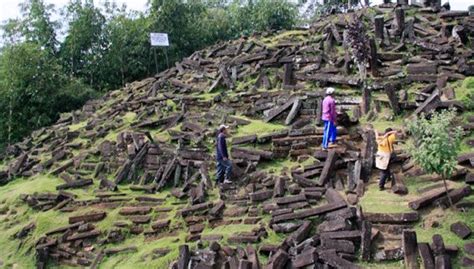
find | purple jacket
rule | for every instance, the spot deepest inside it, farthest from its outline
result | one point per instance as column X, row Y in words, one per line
column 329, row 109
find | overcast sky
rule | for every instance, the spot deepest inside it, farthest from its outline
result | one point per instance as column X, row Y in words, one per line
column 9, row 8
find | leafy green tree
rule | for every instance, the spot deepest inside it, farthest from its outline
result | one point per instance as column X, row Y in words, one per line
column 83, row 46
column 128, row 55
column 34, row 90
column 34, row 26
column 471, row 8
column 105, row 48
column 182, row 21
column 273, row 14
column 436, row 143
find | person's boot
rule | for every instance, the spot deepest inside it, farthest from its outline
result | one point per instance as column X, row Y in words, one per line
column 227, row 181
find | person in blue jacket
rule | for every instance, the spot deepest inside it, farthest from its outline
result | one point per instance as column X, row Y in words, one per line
column 224, row 165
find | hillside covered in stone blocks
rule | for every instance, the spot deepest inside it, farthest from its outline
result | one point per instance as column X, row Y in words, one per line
column 128, row 181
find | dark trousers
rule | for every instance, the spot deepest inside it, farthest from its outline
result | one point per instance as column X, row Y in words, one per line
column 224, row 170
column 384, row 175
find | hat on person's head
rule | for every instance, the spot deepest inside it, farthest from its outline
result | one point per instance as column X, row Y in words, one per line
column 222, row 127
column 330, row 90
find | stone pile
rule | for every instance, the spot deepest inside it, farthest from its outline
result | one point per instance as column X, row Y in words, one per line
column 157, row 134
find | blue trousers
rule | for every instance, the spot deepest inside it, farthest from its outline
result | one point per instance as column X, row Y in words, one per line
column 330, row 133
column 224, row 170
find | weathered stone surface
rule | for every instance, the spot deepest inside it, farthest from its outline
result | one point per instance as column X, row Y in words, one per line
column 469, row 248
column 279, row 260
column 393, row 218
column 427, row 260
column 142, row 210
column 332, row 259
column 261, row 195
column 427, row 198
column 366, row 240
column 410, row 247
column 301, row 233
column 306, row 258
column 184, row 257
column 88, row 217
column 328, row 167
column 309, row 212
column 461, row 229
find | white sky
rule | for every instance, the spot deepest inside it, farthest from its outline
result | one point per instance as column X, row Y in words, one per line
column 9, row 8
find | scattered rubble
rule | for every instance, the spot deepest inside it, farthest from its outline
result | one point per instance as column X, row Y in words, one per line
column 315, row 206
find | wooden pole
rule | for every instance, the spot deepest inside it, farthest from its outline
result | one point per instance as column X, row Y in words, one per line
column 156, row 60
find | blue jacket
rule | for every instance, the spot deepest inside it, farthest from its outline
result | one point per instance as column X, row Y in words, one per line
column 221, row 147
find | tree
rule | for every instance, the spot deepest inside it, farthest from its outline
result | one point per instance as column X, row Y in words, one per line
column 82, row 49
column 41, row 76
column 37, row 26
column 471, row 8
column 34, row 90
column 128, row 55
column 262, row 15
column 436, row 144
column 276, row 15
column 182, row 21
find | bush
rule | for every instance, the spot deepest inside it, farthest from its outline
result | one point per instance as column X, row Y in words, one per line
column 436, row 143
column 466, row 93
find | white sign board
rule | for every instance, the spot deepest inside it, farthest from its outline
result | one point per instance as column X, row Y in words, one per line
column 159, row 39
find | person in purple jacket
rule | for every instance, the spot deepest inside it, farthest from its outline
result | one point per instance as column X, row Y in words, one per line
column 224, row 165
column 329, row 117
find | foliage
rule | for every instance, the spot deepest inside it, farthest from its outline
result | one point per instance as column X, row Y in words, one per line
column 82, row 47
column 37, row 25
column 104, row 47
column 436, row 142
column 128, row 55
column 471, row 8
column 34, row 90
column 277, row 14
column 466, row 93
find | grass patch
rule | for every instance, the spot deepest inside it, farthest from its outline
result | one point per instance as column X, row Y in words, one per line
column 129, row 117
column 376, row 201
column 15, row 253
column 208, row 96
column 162, row 136
column 258, row 127
column 465, row 92
column 38, row 183
column 142, row 258
column 445, row 218
column 465, row 148
column 111, row 136
column 229, row 230
column 297, row 35
column 77, row 126
column 278, row 165
column 171, row 104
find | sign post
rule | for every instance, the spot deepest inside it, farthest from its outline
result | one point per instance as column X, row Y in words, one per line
column 159, row 40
